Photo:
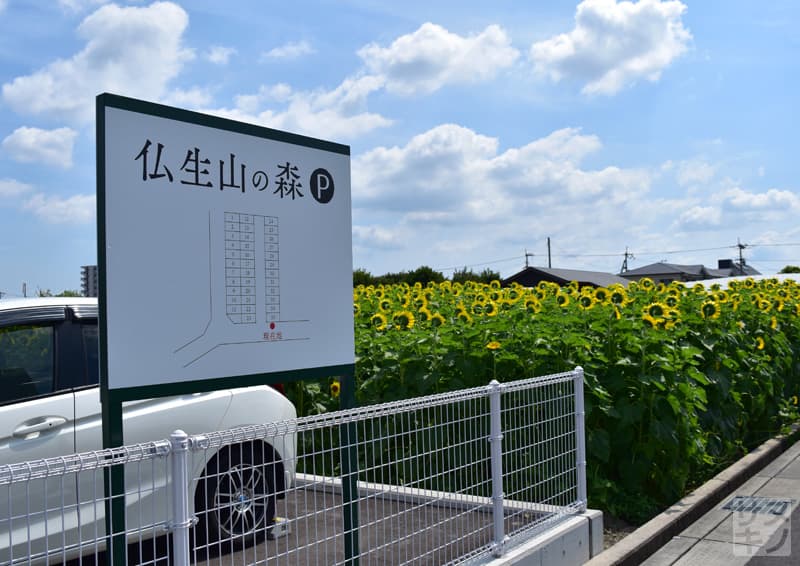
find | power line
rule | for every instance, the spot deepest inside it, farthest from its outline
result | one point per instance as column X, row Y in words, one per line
column 516, row 257
column 629, row 254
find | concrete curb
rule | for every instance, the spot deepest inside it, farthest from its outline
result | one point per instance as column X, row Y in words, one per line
column 647, row 539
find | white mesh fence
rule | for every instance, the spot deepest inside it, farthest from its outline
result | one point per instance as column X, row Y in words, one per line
column 442, row 479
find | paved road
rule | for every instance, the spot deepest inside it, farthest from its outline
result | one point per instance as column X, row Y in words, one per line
column 392, row 531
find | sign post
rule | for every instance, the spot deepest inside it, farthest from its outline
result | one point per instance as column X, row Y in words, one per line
column 224, row 260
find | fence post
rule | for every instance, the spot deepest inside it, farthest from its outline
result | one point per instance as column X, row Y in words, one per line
column 181, row 521
column 496, row 440
column 580, row 439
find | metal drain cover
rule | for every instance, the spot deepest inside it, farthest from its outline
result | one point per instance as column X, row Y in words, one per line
column 761, row 505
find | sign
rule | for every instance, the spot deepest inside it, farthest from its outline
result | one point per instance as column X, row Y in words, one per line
column 225, row 248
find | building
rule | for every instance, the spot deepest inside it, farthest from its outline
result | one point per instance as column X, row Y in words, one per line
column 89, row 286
column 531, row 276
column 663, row 272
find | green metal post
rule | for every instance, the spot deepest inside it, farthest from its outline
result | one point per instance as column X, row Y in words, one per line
column 114, row 480
column 349, row 455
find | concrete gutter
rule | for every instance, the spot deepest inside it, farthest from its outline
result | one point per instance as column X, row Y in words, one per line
column 647, row 539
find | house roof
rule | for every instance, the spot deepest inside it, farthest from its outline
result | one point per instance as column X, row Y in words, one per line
column 532, row 275
column 699, row 270
column 661, row 268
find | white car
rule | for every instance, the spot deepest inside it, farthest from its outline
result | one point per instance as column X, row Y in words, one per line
column 50, row 406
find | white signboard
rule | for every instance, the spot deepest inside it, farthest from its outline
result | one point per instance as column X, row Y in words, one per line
column 227, row 248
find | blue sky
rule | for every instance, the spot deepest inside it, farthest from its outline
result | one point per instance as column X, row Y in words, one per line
column 477, row 129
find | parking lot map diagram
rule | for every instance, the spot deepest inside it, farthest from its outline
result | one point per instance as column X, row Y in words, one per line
column 225, row 249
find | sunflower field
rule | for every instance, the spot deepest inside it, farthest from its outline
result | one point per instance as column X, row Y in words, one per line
column 680, row 380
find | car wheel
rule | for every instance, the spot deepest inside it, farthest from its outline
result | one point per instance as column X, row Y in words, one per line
column 235, row 499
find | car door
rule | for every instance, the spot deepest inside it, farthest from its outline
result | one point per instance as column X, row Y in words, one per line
column 35, row 422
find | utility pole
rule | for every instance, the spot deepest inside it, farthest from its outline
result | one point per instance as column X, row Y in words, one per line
column 741, row 247
column 24, row 289
column 549, row 263
column 527, row 255
column 627, row 255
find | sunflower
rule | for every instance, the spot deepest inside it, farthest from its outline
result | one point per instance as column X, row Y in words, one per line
column 760, row 343
column 336, row 388
column 493, row 345
column 671, row 301
column 495, row 284
column 490, row 308
column 646, row 283
column 464, row 317
column 710, row 309
column 749, row 283
column 424, row 314
column 656, row 310
column 477, row 308
column 586, row 302
column 533, row 306
column 385, row 305
column 404, row 320
column 601, row 295
column 618, row 297
column 562, row 299
column 437, row 320
column 773, row 323
column 651, row 322
column 378, row 321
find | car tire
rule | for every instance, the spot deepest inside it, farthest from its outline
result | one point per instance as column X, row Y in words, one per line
column 235, row 498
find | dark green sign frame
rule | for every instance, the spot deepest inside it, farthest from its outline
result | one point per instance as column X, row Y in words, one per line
column 113, row 399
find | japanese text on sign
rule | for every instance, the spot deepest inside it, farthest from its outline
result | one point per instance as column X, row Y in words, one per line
column 196, row 171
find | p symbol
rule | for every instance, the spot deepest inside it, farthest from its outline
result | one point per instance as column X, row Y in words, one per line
column 321, row 186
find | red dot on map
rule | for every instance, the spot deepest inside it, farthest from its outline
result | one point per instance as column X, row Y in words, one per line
column 272, row 326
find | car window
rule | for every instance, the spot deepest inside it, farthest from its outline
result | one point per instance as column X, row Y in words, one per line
column 90, row 353
column 26, row 362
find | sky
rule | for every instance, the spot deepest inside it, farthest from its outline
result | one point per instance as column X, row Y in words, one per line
column 477, row 130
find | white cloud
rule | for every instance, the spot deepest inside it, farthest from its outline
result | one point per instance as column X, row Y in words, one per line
column 31, row 145
column 773, row 199
column 78, row 209
column 80, row 5
column 455, row 175
column 429, row 58
column 695, row 172
column 220, row 55
column 700, row 217
column 377, row 237
column 338, row 114
column 291, row 50
column 133, row 51
column 191, row 98
column 10, row 188
column 615, row 44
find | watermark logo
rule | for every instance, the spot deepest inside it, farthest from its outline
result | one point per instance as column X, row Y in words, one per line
column 761, row 525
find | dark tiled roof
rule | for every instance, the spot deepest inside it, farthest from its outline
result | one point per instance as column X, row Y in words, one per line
column 532, row 275
column 662, row 268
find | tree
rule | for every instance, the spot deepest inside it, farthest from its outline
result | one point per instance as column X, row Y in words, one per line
column 49, row 293
column 790, row 269
column 362, row 277
column 423, row 275
column 485, row 276
column 69, row 293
